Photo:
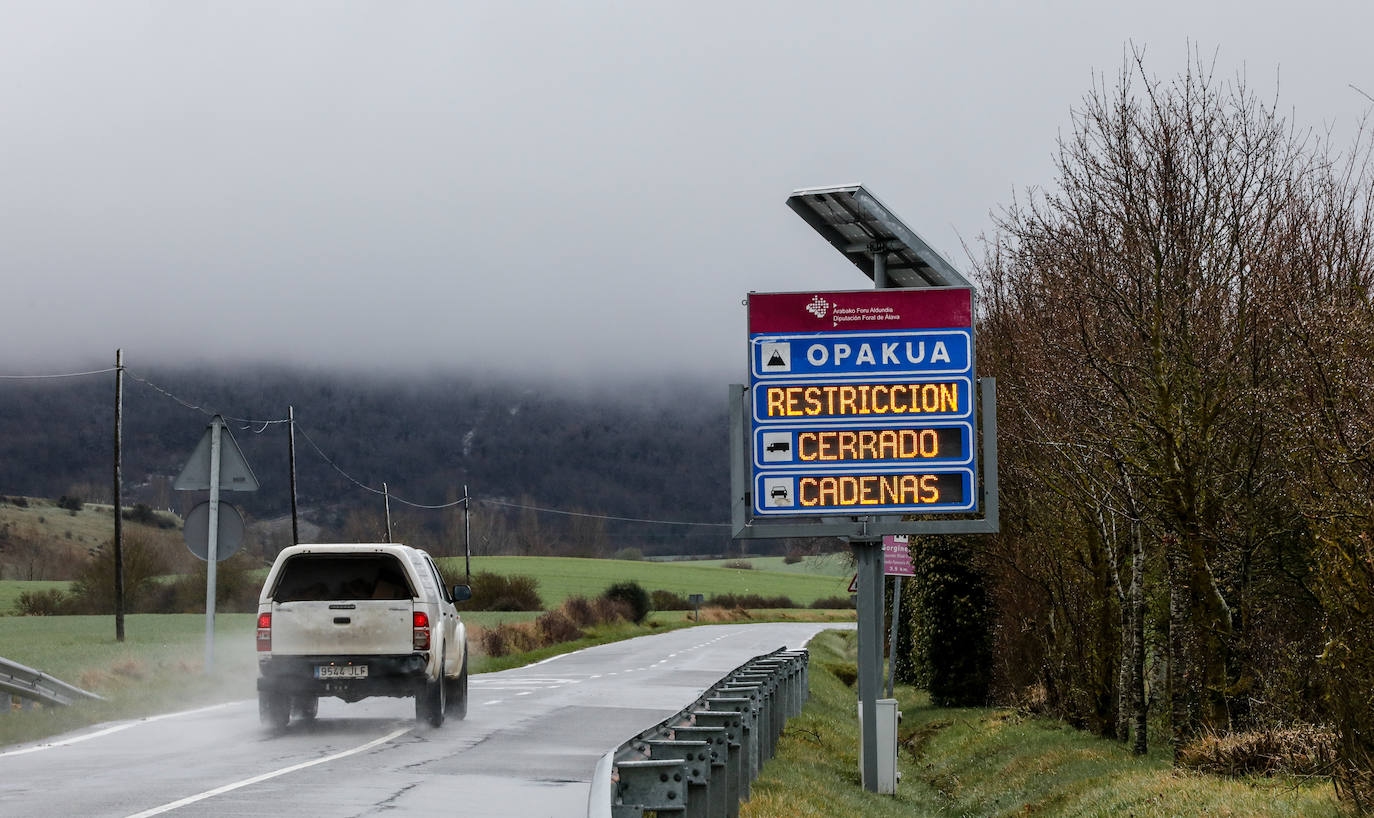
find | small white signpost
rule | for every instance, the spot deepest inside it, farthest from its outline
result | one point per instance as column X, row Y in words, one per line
column 217, row 467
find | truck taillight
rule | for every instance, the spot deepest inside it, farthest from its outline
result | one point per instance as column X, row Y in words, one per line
column 264, row 631
column 421, row 630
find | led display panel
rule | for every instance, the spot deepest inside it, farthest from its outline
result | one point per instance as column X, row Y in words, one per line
column 862, row 402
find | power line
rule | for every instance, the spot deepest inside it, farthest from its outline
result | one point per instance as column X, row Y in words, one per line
column 56, row 375
column 602, row 516
column 248, row 422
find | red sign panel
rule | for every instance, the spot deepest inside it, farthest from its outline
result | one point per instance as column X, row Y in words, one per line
column 861, row 310
column 897, row 558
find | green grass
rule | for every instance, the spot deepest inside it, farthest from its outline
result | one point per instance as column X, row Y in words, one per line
column 562, row 577
column 990, row 762
column 827, row 565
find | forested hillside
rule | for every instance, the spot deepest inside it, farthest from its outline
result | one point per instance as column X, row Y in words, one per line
column 618, row 449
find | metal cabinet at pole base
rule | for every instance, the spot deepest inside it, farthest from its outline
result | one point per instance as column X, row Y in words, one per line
column 888, row 717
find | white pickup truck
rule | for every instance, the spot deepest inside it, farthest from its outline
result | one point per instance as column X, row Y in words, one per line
column 359, row 620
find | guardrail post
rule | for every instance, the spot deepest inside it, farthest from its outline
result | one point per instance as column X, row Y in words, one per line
column 720, row 755
column 754, row 728
column 732, row 721
column 772, row 710
column 696, row 758
column 744, row 707
column 653, row 785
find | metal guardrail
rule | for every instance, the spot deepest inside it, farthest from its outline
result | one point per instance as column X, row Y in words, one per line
column 31, row 686
column 700, row 762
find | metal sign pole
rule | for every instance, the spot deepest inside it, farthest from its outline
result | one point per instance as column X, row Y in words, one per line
column 892, row 640
column 212, row 550
column 868, row 555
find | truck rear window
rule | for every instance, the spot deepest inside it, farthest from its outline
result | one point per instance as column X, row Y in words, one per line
column 313, row 577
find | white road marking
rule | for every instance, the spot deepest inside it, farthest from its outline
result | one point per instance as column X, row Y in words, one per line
column 265, row 776
column 493, row 701
column 115, row 729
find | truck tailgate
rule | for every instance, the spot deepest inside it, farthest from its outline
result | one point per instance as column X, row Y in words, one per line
column 364, row 626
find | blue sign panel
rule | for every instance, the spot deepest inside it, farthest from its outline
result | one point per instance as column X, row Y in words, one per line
column 807, row 447
column 862, row 402
column 860, row 354
column 849, row 491
column 867, row 401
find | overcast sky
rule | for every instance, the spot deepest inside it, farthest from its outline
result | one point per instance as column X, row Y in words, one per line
column 577, row 187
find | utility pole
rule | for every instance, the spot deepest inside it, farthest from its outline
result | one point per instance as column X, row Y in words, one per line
column 291, row 446
column 386, row 502
column 467, row 535
column 119, row 496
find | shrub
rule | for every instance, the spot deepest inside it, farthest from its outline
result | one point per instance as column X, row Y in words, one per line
column 51, row 602
column 792, row 558
column 1297, row 751
column 141, row 513
column 750, row 601
column 612, row 610
column 494, row 592
column 633, row 554
column 743, row 565
column 236, row 588
column 669, row 601
column 493, row 641
column 635, row 598
column 580, row 611
column 557, row 626
column 833, row 603
column 72, row 504
column 92, row 592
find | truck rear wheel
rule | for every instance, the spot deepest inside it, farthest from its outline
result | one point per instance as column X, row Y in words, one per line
column 306, row 707
column 432, row 700
column 274, row 709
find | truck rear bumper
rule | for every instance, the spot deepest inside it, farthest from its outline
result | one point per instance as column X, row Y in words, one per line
column 402, row 676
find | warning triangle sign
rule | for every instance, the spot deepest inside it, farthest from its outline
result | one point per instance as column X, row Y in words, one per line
column 234, row 473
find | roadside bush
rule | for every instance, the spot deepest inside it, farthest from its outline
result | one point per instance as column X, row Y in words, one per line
column 1302, row 750
column 669, row 601
column 557, row 626
column 580, row 611
column 92, row 592
column 833, row 603
column 494, row 592
column 750, row 601
column 236, row 588
column 743, row 565
column 612, row 610
column 142, row 513
column 635, row 598
column 51, row 602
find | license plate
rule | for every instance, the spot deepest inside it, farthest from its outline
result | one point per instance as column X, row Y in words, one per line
column 341, row 671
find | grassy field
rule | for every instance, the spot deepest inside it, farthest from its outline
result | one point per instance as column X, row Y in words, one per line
column 828, row 565
column 990, row 762
column 562, row 577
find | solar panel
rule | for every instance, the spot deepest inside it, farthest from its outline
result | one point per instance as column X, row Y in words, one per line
column 864, row 229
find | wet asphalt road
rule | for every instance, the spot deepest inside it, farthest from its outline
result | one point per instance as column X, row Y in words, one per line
column 528, row 747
